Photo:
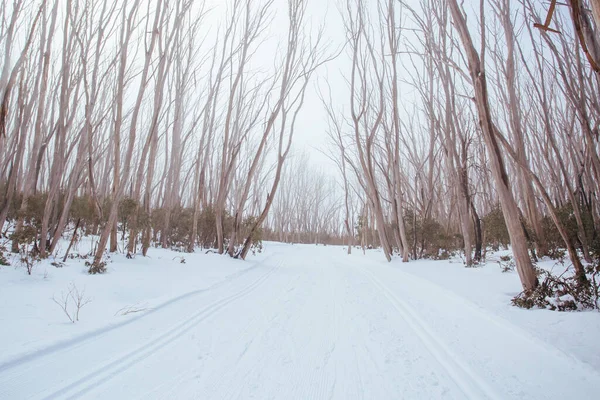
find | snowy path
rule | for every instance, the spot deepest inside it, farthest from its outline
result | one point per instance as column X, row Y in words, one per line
column 307, row 325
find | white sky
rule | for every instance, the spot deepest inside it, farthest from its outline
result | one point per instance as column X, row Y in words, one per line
column 312, row 122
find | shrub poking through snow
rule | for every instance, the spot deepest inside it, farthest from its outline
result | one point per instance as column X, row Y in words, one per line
column 99, row 267
column 3, row 260
column 563, row 292
column 96, row 268
column 507, row 263
column 72, row 302
column 28, row 259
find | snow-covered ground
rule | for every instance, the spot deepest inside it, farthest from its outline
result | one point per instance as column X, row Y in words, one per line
column 295, row 322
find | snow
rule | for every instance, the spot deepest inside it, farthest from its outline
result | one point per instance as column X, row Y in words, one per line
column 297, row 321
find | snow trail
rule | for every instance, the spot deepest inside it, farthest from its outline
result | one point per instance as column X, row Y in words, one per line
column 306, row 323
column 71, row 377
column 473, row 386
column 509, row 361
column 76, row 341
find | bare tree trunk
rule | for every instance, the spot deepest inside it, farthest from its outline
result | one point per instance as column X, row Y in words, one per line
column 303, row 56
column 24, row 111
column 29, row 184
column 355, row 27
column 61, row 129
column 509, row 205
column 515, row 118
column 393, row 40
column 117, row 195
column 73, row 238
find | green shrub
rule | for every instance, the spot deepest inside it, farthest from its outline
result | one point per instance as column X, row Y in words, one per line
column 256, row 237
column 495, row 231
column 428, row 238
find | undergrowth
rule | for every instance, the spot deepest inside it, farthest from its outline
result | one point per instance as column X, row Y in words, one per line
column 564, row 292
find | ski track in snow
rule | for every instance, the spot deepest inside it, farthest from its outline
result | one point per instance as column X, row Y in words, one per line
column 305, row 325
column 525, row 364
column 473, row 386
column 500, row 322
column 33, row 364
column 95, row 334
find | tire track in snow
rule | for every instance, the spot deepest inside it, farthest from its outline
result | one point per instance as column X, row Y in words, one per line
column 77, row 388
column 93, row 335
column 472, row 385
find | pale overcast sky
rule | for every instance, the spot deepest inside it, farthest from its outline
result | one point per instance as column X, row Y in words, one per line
column 312, row 123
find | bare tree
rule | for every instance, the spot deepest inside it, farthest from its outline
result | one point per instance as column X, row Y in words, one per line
column 120, row 181
column 303, row 56
column 490, row 131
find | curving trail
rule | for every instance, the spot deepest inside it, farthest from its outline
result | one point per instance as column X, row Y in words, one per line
column 307, row 323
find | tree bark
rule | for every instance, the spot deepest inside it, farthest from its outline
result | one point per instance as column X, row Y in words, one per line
column 509, row 206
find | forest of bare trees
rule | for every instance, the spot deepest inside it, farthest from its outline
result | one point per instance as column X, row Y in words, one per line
column 458, row 127
column 470, row 125
column 137, row 123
